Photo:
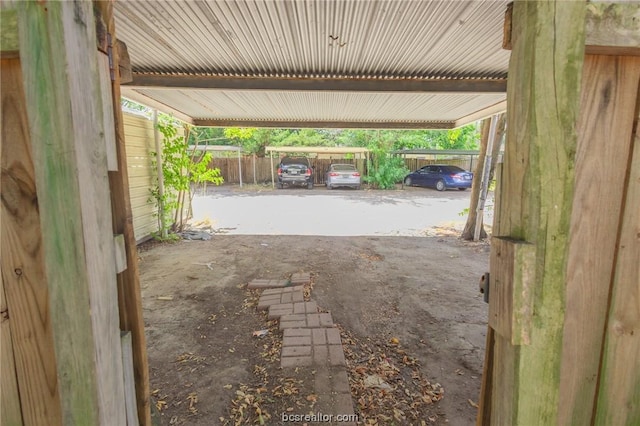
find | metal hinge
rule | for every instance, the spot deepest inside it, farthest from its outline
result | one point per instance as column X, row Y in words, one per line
column 112, row 70
column 484, row 286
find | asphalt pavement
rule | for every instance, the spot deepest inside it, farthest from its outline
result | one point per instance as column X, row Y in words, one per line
column 256, row 210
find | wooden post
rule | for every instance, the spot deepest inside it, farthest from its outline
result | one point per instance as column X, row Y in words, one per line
column 162, row 218
column 129, row 296
column 240, row 166
column 484, row 182
column 255, row 181
column 536, row 200
column 272, row 178
column 57, row 44
column 470, row 226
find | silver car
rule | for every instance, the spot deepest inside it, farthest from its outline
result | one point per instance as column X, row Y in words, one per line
column 342, row 175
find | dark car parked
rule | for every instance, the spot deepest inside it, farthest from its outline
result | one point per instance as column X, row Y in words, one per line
column 440, row 177
column 295, row 171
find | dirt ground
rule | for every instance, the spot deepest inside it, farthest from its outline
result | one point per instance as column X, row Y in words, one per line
column 207, row 368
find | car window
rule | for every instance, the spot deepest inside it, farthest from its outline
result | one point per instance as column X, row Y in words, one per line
column 452, row 169
column 295, row 160
column 342, row 167
column 431, row 169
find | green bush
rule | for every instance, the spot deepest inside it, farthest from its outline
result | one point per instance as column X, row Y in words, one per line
column 385, row 171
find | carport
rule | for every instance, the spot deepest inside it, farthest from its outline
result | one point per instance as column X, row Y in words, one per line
column 563, row 345
column 312, row 150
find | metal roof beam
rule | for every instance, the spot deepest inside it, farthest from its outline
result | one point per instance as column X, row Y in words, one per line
column 152, row 103
column 324, row 124
column 158, row 81
column 482, row 114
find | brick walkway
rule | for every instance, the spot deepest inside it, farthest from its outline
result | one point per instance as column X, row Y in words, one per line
column 310, row 340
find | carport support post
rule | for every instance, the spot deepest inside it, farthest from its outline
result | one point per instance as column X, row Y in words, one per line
column 273, row 183
column 156, row 139
column 255, row 181
column 484, row 183
column 240, row 166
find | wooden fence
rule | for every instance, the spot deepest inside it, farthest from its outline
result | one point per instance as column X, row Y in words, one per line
column 258, row 169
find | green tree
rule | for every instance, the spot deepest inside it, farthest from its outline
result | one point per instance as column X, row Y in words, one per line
column 180, row 169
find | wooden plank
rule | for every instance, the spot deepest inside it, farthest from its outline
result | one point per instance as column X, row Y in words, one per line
column 536, row 199
column 619, row 388
column 484, row 404
column 207, row 82
column 124, row 63
column 129, row 380
column 468, row 232
column 24, row 278
column 59, row 66
column 10, row 413
column 107, row 114
column 609, row 91
column 129, row 296
column 613, row 28
column 120, row 253
column 92, row 128
column 510, row 289
column 8, row 30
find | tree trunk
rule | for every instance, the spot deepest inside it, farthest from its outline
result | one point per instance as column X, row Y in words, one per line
column 470, row 226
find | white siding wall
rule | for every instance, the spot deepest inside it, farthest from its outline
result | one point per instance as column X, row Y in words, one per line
column 139, row 142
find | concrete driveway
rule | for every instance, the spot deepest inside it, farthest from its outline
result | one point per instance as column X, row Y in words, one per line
column 256, row 210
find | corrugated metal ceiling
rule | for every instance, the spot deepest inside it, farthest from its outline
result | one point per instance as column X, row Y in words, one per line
column 385, row 40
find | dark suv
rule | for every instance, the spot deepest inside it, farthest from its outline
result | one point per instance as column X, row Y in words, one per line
column 295, row 171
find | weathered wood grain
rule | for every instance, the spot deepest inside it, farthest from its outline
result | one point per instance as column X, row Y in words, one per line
column 129, row 380
column 613, row 28
column 610, row 28
column 120, row 251
column 10, row 413
column 92, row 128
column 24, row 280
column 608, row 105
column 619, row 390
column 124, row 63
column 536, row 200
column 484, row 410
column 511, row 293
column 57, row 65
column 129, row 296
column 8, row 30
column 107, row 111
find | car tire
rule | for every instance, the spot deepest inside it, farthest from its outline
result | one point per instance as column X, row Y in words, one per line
column 462, row 189
column 407, row 181
column 329, row 187
column 310, row 185
column 278, row 185
column 358, row 188
column 440, row 185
